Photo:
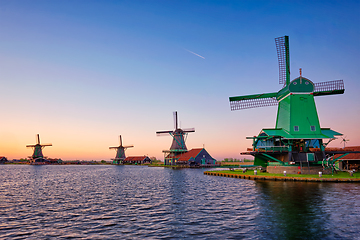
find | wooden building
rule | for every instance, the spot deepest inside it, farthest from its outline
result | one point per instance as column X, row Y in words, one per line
column 350, row 161
column 3, row 159
column 195, row 157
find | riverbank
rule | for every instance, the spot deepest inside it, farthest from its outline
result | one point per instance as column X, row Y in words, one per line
column 249, row 174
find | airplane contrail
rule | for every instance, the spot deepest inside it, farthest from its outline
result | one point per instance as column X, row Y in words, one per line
column 194, row 53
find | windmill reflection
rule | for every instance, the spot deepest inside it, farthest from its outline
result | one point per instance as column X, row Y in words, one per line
column 293, row 210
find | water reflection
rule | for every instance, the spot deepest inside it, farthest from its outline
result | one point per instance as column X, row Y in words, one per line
column 298, row 210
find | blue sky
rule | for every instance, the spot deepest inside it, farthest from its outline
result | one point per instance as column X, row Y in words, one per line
column 82, row 72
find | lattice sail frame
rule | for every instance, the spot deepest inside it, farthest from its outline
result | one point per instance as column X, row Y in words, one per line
column 281, row 52
column 253, row 103
column 329, row 86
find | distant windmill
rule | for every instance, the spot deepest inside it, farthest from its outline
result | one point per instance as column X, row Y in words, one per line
column 344, row 140
column 178, row 144
column 38, row 155
column 120, row 152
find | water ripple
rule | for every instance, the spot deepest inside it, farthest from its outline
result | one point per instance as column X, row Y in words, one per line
column 136, row 202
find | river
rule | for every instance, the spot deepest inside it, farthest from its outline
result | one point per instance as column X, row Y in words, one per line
column 140, row 202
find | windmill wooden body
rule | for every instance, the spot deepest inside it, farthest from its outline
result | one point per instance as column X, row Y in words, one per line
column 297, row 137
column 120, row 152
column 178, row 145
column 37, row 157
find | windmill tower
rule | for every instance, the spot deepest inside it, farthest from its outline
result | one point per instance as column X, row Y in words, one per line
column 37, row 156
column 297, row 136
column 120, row 152
column 178, row 145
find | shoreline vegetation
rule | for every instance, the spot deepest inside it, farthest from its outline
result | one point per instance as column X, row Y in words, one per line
column 155, row 163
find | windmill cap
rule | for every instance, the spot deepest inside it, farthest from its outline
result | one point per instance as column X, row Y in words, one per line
column 179, row 131
column 302, row 85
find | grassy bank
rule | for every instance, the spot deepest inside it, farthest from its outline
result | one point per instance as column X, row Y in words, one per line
column 338, row 175
column 236, row 164
column 156, row 165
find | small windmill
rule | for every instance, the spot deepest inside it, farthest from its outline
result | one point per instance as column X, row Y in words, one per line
column 344, row 140
column 37, row 154
column 297, row 125
column 120, row 152
column 178, row 145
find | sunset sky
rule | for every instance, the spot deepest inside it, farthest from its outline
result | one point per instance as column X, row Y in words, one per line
column 80, row 73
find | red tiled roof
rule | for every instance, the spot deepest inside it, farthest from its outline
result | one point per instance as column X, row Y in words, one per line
column 332, row 149
column 190, row 154
column 135, row 158
column 350, row 155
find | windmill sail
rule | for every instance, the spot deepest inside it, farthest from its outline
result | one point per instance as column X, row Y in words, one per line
column 187, row 130
column 163, row 133
column 282, row 47
column 329, row 88
column 121, row 146
column 38, row 143
column 175, row 120
column 253, row 101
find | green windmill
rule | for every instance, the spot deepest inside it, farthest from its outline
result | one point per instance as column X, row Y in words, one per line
column 37, row 156
column 297, row 136
column 120, row 152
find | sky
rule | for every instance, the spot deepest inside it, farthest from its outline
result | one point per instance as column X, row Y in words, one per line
column 80, row 73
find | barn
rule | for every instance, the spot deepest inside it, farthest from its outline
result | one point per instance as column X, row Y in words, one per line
column 195, row 157
column 137, row 160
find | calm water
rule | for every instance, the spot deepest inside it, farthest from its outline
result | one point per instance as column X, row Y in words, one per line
column 135, row 202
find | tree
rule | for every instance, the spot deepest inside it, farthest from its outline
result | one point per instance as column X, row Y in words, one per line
column 154, row 160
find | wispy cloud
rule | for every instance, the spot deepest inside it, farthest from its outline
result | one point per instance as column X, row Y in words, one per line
column 194, row 53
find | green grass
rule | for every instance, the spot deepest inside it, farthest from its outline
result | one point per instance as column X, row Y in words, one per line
column 156, row 165
column 236, row 163
column 251, row 172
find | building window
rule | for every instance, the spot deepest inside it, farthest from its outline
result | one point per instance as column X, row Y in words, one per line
column 313, row 128
column 296, row 128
